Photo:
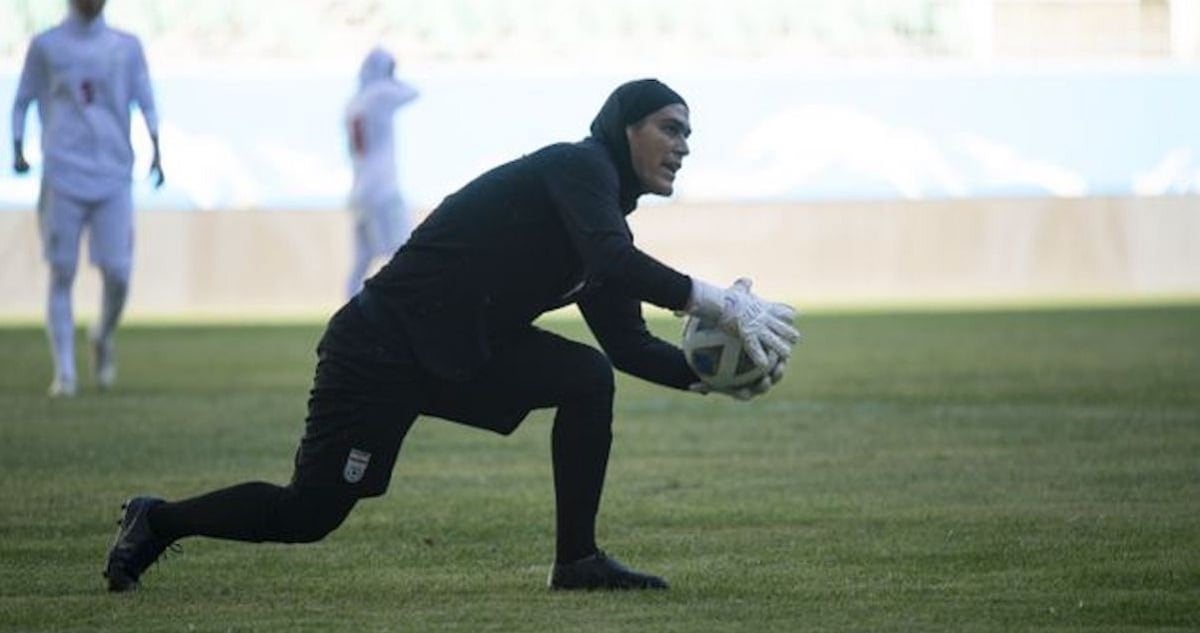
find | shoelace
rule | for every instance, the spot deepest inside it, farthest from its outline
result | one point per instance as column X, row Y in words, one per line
column 153, row 555
column 174, row 549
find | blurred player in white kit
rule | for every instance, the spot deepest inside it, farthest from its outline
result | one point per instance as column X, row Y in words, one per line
column 85, row 77
column 381, row 218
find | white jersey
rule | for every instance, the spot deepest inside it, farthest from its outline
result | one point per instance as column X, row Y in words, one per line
column 370, row 131
column 85, row 77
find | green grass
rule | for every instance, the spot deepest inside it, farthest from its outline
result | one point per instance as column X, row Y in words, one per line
column 973, row 471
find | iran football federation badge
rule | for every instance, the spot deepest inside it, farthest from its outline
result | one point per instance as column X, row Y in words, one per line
column 356, row 466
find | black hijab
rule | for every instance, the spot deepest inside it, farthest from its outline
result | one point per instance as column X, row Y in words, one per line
column 628, row 104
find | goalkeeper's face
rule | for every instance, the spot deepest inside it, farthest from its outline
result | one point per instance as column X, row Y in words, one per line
column 657, row 145
column 88, row 9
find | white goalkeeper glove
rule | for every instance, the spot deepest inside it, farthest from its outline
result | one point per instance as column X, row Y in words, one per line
column 746, row 393
column 762, row 326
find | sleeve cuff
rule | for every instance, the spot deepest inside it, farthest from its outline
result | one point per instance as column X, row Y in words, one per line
column 707, row 301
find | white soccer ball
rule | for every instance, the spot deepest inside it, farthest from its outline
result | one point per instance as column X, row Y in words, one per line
column 717, row 356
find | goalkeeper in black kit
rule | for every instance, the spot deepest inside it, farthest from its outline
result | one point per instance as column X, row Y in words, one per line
column 446, row 330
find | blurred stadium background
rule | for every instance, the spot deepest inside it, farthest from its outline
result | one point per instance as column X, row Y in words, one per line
column 846, row 152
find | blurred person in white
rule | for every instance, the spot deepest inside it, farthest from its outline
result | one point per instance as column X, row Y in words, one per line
column 382, row 221
column 85, row 77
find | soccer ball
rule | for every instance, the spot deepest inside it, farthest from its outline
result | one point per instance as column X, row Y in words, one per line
column 717, row 356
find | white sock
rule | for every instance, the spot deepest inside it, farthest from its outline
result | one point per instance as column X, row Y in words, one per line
column 60, row 323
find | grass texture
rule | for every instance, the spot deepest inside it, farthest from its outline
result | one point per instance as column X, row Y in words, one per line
column 941, row 471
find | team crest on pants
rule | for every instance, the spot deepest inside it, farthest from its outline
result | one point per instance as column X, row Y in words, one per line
column 356, row 466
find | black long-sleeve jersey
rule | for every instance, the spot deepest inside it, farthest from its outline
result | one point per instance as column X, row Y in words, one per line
column 532, row 235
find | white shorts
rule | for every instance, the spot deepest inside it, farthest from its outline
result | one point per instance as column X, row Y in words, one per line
column 109, row 223
column 381, row 227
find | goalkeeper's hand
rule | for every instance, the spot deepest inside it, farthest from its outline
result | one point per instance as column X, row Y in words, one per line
column 762, row 326
column 744, row 394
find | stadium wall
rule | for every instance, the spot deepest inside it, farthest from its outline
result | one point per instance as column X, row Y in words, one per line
column 270, row 264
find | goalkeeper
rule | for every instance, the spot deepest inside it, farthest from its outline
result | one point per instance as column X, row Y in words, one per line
column 445, row 330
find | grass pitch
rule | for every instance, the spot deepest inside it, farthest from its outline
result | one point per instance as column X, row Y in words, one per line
column 988, row 471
